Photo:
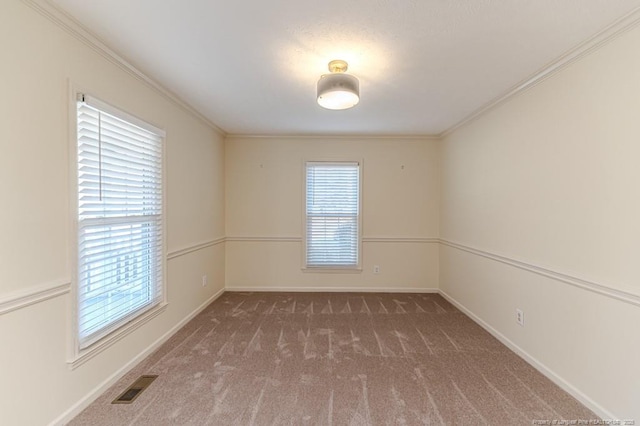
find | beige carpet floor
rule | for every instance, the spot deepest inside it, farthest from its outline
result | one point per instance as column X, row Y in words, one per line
column 334, row 359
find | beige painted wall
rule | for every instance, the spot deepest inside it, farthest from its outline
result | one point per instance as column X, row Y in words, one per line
column 550, row 178
column 39, row 61
column 264, row 190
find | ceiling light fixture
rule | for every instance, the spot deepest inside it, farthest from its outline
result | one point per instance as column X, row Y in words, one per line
column 338, row 90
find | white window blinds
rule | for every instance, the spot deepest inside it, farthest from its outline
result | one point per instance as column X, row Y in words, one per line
column 120, row 243
column 332, row 214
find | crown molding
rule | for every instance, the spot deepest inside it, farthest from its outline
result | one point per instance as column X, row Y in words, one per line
column 81, row 33
column 73, row 27
column 321, row 136
column 608, row 34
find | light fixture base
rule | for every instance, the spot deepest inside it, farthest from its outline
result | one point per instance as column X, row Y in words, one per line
column 338, row 65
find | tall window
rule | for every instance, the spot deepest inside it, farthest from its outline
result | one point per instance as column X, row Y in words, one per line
column 333, row 214
column 120, row 243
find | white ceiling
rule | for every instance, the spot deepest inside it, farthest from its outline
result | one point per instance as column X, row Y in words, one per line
column 424, row 65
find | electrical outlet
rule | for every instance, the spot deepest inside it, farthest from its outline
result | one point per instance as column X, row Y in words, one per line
column 520, row 317
column 376, row 269
column 204, row 281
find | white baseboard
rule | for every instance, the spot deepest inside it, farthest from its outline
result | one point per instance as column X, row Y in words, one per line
column 68, row 415
column 550, row 374
column 268, row 289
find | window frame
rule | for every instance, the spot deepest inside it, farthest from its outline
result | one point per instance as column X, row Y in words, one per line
column 357, row 268
column 77, row 354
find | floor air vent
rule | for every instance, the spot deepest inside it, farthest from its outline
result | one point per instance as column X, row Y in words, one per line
column 133, row 391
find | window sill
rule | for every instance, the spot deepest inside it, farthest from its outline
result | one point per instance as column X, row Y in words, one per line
column 331, row 270
column 85, row 355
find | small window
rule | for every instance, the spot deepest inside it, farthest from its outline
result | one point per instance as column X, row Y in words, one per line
column 120, row 214
column 333, row 215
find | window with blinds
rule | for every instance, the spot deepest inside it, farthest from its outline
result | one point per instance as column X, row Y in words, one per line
column 332, row 214
column 120, row 213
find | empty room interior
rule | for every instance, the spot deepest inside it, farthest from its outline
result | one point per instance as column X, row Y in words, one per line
column 297, row 212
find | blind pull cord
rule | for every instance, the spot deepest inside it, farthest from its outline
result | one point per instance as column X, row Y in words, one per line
column 100, row 155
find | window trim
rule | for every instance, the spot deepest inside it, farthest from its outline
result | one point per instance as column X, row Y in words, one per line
column 75, row 355
column 356, row 269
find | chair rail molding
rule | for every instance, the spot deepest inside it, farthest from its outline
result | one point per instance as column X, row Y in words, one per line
column 423, row 240
column 265, row 239
column 599, row 288
column 296, row 239
column 32, row 295
column 195, row 247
